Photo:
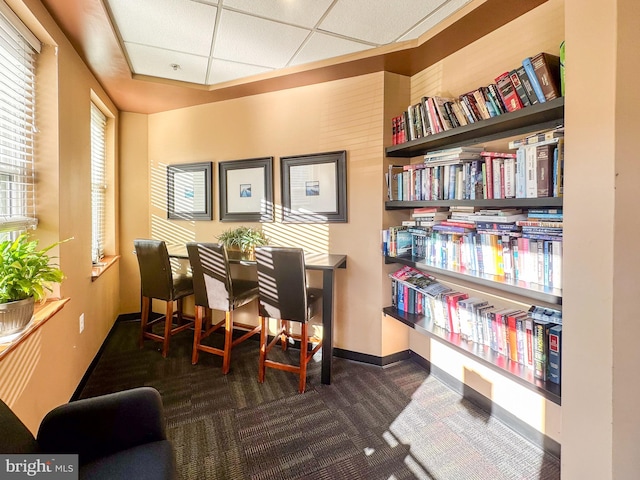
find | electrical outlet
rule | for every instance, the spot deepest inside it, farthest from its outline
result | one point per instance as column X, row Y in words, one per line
column 81, row 322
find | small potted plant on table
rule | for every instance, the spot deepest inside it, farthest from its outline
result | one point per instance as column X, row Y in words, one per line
column 25, row 276
column 244, row 240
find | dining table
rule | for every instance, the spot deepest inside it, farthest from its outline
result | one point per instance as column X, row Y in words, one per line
column 327, row 263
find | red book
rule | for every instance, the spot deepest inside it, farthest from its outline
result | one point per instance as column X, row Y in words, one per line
column 512, row 320
column 508, row 92
column 452, row 310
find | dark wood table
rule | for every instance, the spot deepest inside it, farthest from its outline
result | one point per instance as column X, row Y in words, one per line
column 327, row 263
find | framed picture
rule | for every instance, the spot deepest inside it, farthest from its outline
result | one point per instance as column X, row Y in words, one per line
column 314, row 188
column 246, row 190
column 189, row 191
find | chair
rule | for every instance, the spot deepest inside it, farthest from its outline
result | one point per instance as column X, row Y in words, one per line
column 284, row 296
column 158, row 281
column 216, row 290
column 118, row 435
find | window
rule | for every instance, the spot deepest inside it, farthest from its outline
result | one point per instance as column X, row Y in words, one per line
column 98, row 182
column 18, row 48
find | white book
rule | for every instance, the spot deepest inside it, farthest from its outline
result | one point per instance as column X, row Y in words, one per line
column 531, row 185
column 521, row 177
column 509, row 177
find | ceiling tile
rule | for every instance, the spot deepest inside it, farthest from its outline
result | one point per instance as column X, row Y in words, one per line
column 223, row 71
column 157, row 62
column 373, row 20
column 305, row 13
column 321, row 46
column 270, row 44
column 174, row 24
column 450, row 7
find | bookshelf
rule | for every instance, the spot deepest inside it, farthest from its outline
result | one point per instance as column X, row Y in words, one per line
column 518, row 123
column 541, row 116
column 480, row 353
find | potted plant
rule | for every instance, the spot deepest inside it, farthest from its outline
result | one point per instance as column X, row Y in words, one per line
column 25, row 277
column 243, row 239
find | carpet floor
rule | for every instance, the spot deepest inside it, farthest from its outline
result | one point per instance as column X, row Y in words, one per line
column 371, row 423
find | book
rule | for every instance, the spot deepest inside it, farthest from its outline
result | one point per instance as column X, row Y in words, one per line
column 526, row 84
column 550, row 136
column 555, row 353
column 547, row 68
column 517, row 84
column 562, row 57
column 508, row 92
column 544, row 161
column 541, row 348
column 391, row 178
column 533, row 79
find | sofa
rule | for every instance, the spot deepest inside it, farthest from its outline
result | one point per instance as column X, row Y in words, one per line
column 118, row 435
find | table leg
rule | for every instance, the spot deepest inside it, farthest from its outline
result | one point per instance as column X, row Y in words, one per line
column 327, row 325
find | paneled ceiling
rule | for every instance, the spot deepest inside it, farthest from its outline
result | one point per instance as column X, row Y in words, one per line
column 157, row 55
column 212, row 41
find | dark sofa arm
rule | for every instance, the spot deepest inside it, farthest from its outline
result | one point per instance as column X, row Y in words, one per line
column 99, row 426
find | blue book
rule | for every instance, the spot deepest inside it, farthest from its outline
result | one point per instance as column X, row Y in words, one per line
column 535, row 84
column 555, row 350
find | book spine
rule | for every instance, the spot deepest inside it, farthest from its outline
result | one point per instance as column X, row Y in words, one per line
column 528, row 67
column 526, row 84
column 541, row 349
column 544, row 154
column 555, row 349
column 531, row 186
column 546, row 68
column 508, row 92
column 517, row 84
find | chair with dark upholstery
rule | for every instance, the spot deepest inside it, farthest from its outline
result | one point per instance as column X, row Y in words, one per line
column 215, row 289
column 116, row 436
column 158, row 281
column 284, row 296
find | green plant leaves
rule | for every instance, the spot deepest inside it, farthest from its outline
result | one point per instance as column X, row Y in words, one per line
column 244, row 238
column 25, row 271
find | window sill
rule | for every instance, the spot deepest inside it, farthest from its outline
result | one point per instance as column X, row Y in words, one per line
column 42, row 314
column 106, row 263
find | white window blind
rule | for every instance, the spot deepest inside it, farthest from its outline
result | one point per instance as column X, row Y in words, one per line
column 17, row 123
column 98, row 182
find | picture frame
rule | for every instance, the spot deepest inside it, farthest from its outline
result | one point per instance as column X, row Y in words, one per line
column 189, row 191
column 314, row 188
column 246, row 190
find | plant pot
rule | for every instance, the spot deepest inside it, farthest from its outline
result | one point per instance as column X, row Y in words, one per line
column 15, row 316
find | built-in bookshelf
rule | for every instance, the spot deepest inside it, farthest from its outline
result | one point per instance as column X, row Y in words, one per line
column 480, row 353
column 541, row 116
column 521, row 122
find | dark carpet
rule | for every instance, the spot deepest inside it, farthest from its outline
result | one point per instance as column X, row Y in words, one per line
column 371, row 423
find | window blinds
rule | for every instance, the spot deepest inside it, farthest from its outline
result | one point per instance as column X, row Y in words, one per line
column 98, row 182
column 17, row 124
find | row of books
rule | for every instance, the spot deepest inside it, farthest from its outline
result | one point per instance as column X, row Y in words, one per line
column 536, row 80
column 508, row 244
column 531, row 338
column 534, row 171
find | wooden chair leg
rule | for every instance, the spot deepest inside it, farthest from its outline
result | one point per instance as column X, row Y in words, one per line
column 304, row 342
column 197, row 334
column 263, row 349
column 179, row 311
column 284, row 338
column 167, row 329
column 228, row 340
column 144, row 320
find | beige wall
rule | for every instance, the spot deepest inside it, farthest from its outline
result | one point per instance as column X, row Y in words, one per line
column 601, row 382
column 45, row 370
column 340, row 115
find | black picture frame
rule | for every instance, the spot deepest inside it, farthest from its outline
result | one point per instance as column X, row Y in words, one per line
column 246, row 190
column 189, row 191
column 314, row 188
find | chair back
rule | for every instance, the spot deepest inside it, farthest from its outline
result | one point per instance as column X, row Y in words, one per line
column 156, row 277
column 212, row 284
column 282, row 283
